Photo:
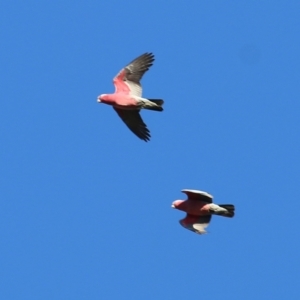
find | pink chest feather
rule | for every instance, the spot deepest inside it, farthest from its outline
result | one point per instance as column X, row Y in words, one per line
column 197, row 208
column 119, row 99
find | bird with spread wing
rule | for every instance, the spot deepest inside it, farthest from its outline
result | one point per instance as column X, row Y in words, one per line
column 199, row 208
column 127, row 100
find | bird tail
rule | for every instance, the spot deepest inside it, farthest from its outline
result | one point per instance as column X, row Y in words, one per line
column 156, row 104
column 228, row 212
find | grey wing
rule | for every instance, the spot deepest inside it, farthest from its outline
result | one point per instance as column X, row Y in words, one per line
column 196, row 224
column 198, row 195
column 134, row 122
column 135, row 70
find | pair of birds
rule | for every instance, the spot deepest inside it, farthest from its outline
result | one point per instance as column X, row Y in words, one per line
column 127, row 101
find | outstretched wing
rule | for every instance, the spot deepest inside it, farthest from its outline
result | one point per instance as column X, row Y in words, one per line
column 128, row 79
column 196, row 223
column 134, row 122
column 198, row 195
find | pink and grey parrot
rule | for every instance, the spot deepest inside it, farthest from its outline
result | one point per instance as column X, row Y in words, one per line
column 199, row 208
column 127, row 100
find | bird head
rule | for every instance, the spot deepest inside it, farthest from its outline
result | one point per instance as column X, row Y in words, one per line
column 101, row 98
column 176, row 204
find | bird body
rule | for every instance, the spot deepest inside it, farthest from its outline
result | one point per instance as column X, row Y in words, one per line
column 127, row 99
column 193, row 207
column 199, row 208
column 121, row 100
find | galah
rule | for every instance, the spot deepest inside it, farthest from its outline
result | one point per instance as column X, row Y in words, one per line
column 199, row 208
column 127, row 99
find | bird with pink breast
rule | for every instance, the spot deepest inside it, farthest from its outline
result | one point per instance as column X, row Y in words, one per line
column 199, row 208
column 127, row 99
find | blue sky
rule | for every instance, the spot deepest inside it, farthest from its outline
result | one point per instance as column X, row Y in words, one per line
column 85, row 205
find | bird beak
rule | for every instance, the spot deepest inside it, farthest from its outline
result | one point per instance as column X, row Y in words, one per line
column 98, row 100
column 173, row 206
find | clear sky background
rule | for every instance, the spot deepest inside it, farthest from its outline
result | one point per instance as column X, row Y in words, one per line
column 85, row 205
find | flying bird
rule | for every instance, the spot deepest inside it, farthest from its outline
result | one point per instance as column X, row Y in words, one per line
column 127, row 99
column 199, row 208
